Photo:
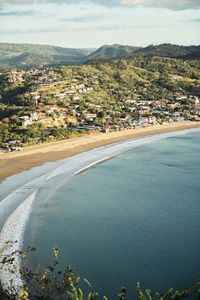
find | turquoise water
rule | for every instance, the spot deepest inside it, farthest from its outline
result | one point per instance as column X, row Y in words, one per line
column 133, row 218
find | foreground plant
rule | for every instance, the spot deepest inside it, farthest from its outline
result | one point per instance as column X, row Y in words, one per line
column 51, row 283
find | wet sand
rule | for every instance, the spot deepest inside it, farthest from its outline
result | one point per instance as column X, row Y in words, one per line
column 15, row 162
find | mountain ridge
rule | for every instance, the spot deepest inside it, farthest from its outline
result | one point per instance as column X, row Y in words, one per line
column 33, row 55
column 13, row 55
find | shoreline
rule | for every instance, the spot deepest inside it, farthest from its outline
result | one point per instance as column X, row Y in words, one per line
column 16, row 205
column 16, row 162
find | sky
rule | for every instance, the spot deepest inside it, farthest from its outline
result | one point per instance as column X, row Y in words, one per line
column 93, row 23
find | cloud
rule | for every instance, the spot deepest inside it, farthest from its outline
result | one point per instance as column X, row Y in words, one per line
column 18, row 13
column 195, row 20
column 170, row 4
column 75, row 27
column 71, row 27
column 29, row 30
column 98, row 16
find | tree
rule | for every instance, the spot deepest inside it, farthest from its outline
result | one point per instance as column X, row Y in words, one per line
column 50, row 282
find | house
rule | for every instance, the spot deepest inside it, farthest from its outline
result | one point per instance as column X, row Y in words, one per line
column 70, row 92
column 90, row 117
column 196, row 101
column 87, row 127
column 35, row 96
column 16, row 148
column 130, row 101
column 34, row 116
column 90, row 89
column 49, row 111
column 26, row 120
column 14, row 142
column 60, row 95
column 76, row 98
column 152, row 120
column 178, row 119
column 142, row 121
column 181, row 97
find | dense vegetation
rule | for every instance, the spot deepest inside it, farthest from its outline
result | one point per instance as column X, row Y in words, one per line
column 28, row 55
column 54, row 283
column 164, row 50
column 168, row 50
column 112, row 51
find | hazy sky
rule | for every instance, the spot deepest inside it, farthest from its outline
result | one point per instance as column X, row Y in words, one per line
column 92, row 23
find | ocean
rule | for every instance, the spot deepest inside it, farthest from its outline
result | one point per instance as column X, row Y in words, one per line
column 119, row 214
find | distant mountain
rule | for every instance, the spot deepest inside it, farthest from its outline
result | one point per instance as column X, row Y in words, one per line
column 194, row 55
column 164, row 50
column 31, row 55
column 112, row 51
column 167, row 50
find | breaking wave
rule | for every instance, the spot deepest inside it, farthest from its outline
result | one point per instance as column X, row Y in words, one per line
column 13, row 230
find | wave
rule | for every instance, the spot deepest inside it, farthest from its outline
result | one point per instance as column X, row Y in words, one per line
column 94, row 164
column 16, row 197
column 13, row 230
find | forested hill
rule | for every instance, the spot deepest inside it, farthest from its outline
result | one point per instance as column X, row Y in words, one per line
column 29, row 55
column 32, row 55
column 163, row 50
column 112, row 51
column 168, row 50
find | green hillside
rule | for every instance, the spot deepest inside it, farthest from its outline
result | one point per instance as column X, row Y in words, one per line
column 112, row 51
column 164, row 50
column 167, row 50
column 28, row 55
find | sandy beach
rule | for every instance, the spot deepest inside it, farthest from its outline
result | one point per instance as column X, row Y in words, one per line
column 15, row 162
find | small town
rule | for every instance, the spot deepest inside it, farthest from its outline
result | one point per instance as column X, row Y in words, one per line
column 46, row 104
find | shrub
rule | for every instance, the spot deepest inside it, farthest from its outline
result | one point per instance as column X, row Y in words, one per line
column 50, row 283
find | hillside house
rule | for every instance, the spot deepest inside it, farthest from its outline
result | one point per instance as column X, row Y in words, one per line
column 90, row 117
column 25, row 121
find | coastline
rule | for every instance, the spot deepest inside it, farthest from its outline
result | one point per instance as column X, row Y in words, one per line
column 16, row 162
column 17, row 204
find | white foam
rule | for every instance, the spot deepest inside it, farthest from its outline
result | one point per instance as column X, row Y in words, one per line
column 13, row 230
column 100, row 161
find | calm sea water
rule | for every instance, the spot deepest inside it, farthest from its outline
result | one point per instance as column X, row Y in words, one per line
column 133, row 218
